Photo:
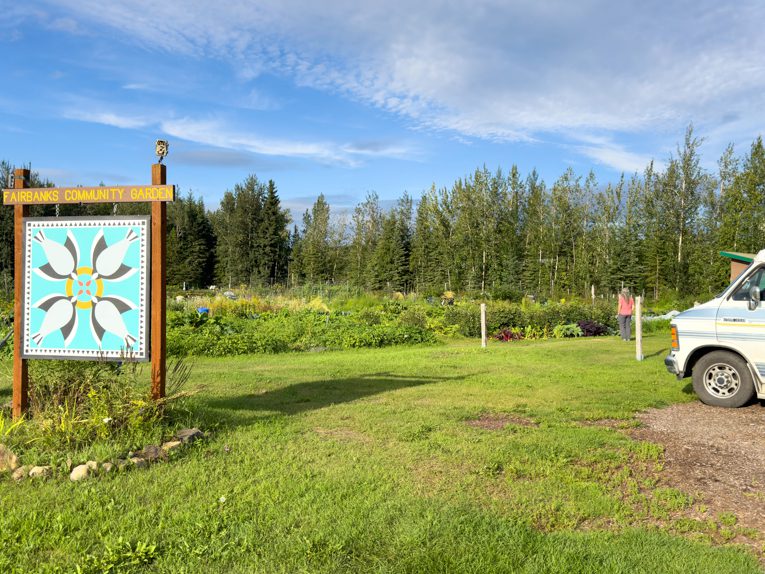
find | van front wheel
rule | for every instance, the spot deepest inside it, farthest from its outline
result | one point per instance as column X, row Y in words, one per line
column 722, row 379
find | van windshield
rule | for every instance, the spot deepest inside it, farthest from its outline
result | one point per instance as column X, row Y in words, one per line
column 721, row 293
column 756, row 279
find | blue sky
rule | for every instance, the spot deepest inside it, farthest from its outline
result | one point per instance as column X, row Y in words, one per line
column 343, row 98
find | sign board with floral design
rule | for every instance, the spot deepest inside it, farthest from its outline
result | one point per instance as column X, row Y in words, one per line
column 85, row 293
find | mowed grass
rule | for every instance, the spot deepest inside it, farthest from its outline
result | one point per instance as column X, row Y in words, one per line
column 364, row 461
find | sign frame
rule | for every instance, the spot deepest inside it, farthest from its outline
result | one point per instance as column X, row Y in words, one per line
column 157, row 303
column 144, row 324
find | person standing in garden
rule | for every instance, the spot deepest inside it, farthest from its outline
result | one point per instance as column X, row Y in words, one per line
column 624, row 313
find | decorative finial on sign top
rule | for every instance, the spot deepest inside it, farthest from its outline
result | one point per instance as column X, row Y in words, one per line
column 161, row 149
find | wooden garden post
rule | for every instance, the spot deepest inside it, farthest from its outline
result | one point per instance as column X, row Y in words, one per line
column 483, row 325
column 158, row 289
column 20, row 367
column 639, row 328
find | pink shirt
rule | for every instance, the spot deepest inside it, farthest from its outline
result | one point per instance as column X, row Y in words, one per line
column 625, row 305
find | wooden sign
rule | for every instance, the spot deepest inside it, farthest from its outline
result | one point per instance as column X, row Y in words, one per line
column 120, row 248
column 102, row 194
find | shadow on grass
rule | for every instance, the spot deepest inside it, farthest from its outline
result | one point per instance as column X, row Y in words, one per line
column 5, row 392
column 657, row 353
column 312, row 395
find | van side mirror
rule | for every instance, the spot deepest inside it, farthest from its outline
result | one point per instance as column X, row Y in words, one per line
column 754, row 298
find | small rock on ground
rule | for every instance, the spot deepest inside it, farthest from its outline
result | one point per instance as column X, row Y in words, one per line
column 189, row 435
column 92, row 465
column 138, row 462
column 152, row 453
column 79, row 472
column 41, row 472
column 21, row 473
column 171, row 445
column 8, row 460
column 107, row 467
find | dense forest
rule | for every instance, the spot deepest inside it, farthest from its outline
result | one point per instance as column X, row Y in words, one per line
column 502, row 234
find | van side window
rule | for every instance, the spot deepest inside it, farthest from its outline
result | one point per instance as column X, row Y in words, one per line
column 757, row 278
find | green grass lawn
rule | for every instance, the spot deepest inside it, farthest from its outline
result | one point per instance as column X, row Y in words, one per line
column 363, row 461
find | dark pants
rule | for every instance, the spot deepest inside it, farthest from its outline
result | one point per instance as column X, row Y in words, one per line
column 624, row 326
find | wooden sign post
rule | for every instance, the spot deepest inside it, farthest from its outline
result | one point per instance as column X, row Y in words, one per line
column 21, row 197
column 158, row 290
column 20, row 400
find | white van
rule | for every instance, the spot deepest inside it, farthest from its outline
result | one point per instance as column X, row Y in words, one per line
column 721, row 343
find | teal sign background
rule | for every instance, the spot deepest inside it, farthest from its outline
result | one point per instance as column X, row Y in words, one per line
column 86, row 288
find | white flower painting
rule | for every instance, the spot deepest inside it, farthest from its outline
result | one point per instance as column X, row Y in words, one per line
column 86, row 288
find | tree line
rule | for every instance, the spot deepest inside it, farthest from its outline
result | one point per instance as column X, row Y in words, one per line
column 659, row 232
column 503, row 234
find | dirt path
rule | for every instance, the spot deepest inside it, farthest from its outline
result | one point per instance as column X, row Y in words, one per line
column 714, row 453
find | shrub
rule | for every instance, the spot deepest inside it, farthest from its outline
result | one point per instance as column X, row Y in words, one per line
column 413, row 318
column 466, row 319
column 74, row 405
column 569, row 330
column 296, row 331
column 545, row 317
column 592, row 328
column 507, row 335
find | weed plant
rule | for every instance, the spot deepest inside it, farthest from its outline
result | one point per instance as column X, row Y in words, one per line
column 88, row 409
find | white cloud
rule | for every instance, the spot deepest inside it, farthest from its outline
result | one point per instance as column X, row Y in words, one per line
column 490, row 68
column 107, row 118
column 616, row 157
column 68, row 25
column 217, row 133
column 222, row 134
column 256, row 100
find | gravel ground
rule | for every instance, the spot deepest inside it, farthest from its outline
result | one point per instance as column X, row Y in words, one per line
column 715, row 453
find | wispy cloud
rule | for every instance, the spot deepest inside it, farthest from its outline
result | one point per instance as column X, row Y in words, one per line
column 382, row 149
column 616, row 157
column 68, row 25
column 256, row 100
column 107, row 118
column 341, row 204
column 216, row 133
column 213, row 157
column 234, row 144
column 490, row 69
column 219, row 134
